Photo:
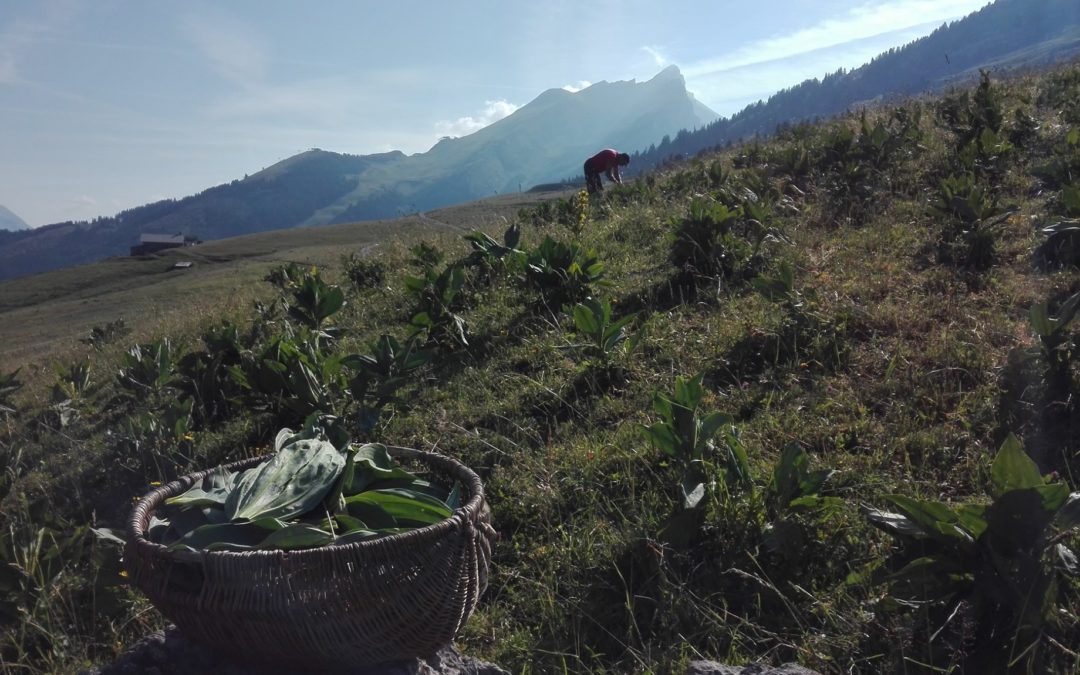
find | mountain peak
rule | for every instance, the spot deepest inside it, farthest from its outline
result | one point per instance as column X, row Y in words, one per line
column 10, row 221
column 553, row 94
column 668, row 78
column 669, row 75
column 669, row 71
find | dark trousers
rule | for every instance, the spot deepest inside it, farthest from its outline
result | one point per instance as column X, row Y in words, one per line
column 592, row 179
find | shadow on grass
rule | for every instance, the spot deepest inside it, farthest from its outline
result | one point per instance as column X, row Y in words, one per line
column 1043, row 409
column 817, row 348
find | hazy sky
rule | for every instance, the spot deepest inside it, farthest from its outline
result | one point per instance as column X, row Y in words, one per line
column 109, row 104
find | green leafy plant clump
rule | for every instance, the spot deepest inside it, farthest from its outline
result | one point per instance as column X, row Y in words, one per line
column 604, row 337
column 563, row 272
column 1059, row 350
column 705, row 447
column 1007, row 559
column 973, row 222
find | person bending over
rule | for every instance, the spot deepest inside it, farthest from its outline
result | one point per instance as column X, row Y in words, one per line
column 607, row 162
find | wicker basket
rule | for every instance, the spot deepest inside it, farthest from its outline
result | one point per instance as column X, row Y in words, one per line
column 397, row 597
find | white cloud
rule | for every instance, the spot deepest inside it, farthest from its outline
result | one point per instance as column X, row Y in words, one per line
column 463, row 126
column 658, row 57
column 858, row 23
column 575, row 88
column 232, row 47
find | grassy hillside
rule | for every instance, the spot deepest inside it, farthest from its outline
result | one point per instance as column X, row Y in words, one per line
column 862, row 322
column 44, row 317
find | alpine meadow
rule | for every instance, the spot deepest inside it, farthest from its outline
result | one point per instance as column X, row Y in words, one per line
column 807, row 398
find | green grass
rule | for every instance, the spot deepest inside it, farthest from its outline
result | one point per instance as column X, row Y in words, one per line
column 43, row 317
column 899, row 371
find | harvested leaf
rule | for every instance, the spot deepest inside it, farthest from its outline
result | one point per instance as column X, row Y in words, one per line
column 211, row 491
column 365, row 535
column 372, row 462
column 291, row 483
column 407, row 507
column 297, row 535
column 224, row 536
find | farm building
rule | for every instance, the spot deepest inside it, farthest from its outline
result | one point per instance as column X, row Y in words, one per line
column 152, row 243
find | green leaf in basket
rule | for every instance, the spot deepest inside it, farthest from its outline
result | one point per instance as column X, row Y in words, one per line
column 335, row 499
column 297, row 535
column 285, row 437
column 344, row 523
column 453, row 500
column 296, row 479
column 372, row 515
column 376, row 457
column 357, row 535
column 365, row 535
column 416, row 484
column 316, row 425
column 222, row 537
column 270, row 524
column 373, row 463
column 157, row 528
column 180, row 522
column 407, row 507
column 212, row 490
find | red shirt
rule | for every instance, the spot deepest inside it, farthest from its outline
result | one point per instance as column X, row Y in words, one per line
column 605, row 160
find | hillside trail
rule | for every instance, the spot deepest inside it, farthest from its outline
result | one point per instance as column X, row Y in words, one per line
column 428, row 219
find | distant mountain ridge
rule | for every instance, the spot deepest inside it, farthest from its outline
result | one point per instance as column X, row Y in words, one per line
column 10, row 221
column 277, row 197
column 547, row 140
column 1006, row 35
column 543, row 141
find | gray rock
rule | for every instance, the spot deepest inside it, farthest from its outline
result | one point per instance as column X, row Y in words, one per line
column 169, row 653
column 447, row 661
column 714, row 668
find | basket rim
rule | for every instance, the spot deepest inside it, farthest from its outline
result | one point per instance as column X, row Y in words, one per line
column 466, row 514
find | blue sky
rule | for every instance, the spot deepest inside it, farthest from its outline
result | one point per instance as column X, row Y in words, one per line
column 109, row 104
